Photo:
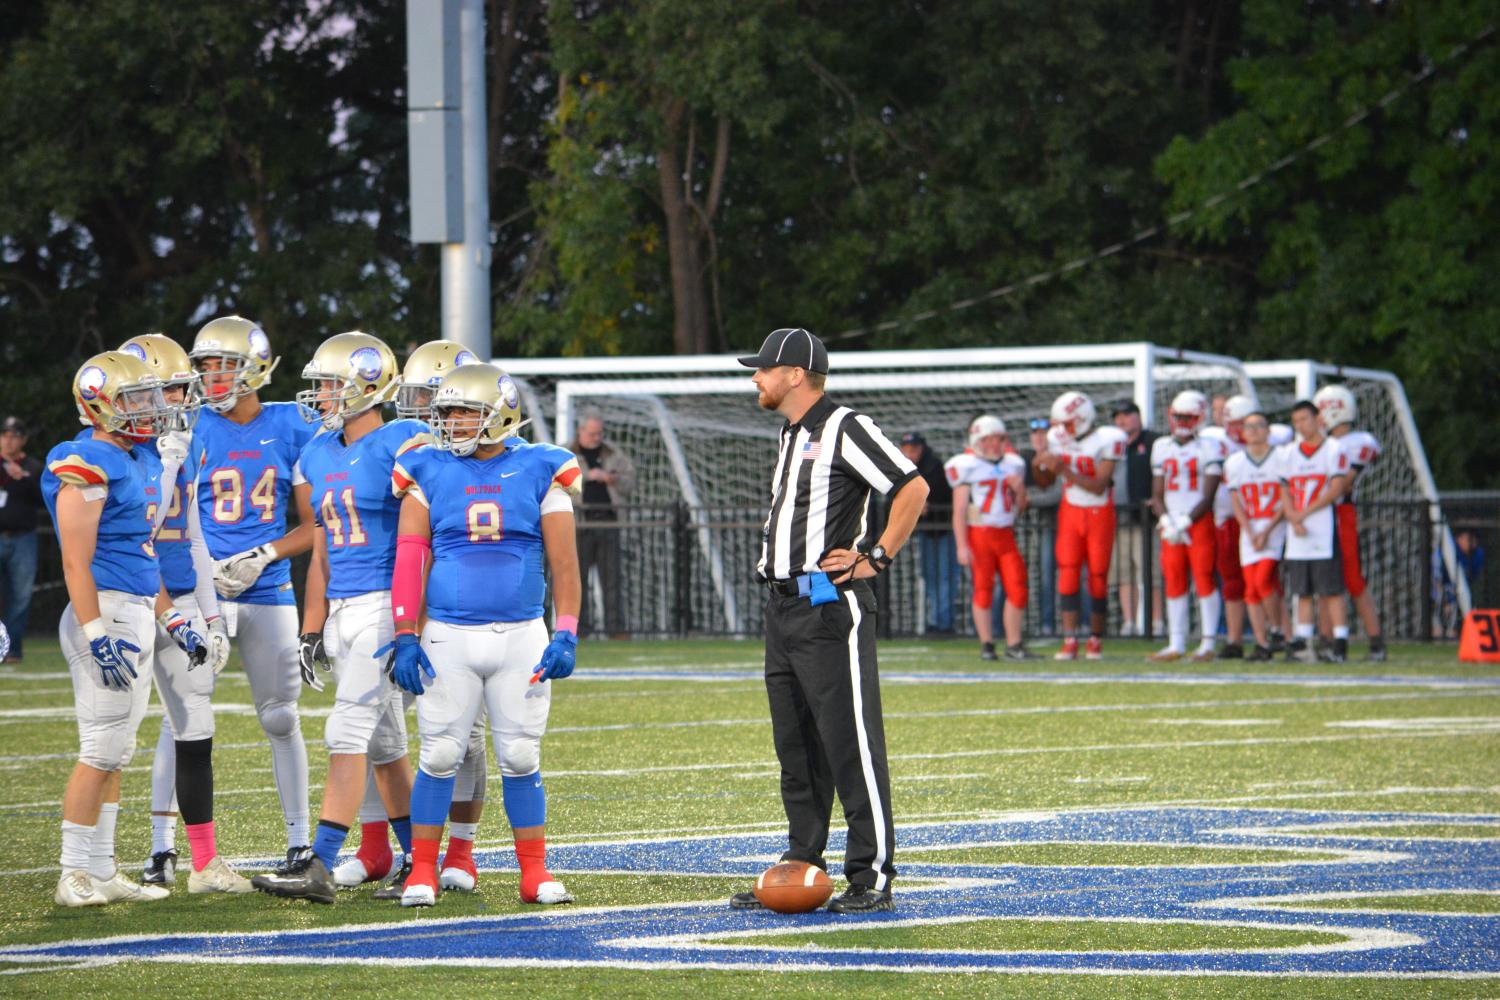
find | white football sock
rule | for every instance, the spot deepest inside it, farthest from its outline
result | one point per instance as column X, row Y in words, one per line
column 463, row 831
column 77, row 839
column 1341, row 631
column 1208, row 610
column 1177, row 623
column 289, row 767
column 164, row 772
column 163, row 833
column 102, row 850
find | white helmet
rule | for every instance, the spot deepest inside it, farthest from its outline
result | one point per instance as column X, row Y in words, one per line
column 984, row 426
column 1074, row 413
column 1187, row 413
column 1236, row 409
column 1335, row 406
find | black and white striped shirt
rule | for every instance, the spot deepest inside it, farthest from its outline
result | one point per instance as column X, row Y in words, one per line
column 828, row 463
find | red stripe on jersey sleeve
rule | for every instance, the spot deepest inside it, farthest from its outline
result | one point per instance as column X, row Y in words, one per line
column 565, row 477
column 80, row 474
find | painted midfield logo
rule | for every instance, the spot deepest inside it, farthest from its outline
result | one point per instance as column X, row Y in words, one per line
column 702, row 935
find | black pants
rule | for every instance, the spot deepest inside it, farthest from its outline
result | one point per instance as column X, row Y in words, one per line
column 599, row 545
column 824, row 690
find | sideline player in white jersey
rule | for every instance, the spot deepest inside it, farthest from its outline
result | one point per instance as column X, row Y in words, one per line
column 184, row 748
column 1337, row 412
column 1252, row 478
column 1084, row 456
column 1314, row 470
column 1186, row 468
column 989, row 493
column 425, row 369
column 243, row 451
column 1230, row 434
column 483, row 505
column 102, row 491
column 348, row 601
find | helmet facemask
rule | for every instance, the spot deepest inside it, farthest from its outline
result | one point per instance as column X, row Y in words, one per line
column 223, row 386
column 414, row 401
column 330, row 388
column 460, row 427
column 142, row 412
column 1184, row 425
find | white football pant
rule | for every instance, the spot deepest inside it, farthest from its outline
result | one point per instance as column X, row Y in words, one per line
column 368, row 716
column 108, row 719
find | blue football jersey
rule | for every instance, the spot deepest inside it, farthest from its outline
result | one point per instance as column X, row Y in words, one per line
column 488, row 564
column 244, row 477
column 353, row 503
column 123, row 557
column 173, row 548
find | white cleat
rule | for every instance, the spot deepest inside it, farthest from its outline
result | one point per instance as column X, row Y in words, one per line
column 76, row 888
column 119, row 889
column 354, row 873
column 552, row 893
column 416, row 894
column 457, row 879
column 217, row 876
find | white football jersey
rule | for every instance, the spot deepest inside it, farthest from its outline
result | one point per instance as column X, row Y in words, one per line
column 990, row 503
column 1183, row 466
column 1259, row 487
column 1362, row 449
column 1083, row 455
column 1223, row 505
column 1307, row 476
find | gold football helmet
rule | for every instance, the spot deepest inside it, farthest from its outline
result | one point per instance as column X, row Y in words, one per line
column 119, row 393
column 349, row 372
column 474, row 405
column 171, row 363
column 425, row 368
column 241, row 356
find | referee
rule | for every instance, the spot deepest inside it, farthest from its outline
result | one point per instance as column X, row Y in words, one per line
column 817, row 557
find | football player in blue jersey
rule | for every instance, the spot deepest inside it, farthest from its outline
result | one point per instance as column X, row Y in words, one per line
column 102, row 492
column 243, row 452
column 184, row 750
column 348, row 602
column 425, row 368
column 483, row 506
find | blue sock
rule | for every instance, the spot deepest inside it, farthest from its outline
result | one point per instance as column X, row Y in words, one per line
column 328, row 841
column 430, row 799
column 402, row 826
column 525, row 800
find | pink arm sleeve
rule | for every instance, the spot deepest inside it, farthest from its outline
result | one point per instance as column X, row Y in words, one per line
column 413, row 554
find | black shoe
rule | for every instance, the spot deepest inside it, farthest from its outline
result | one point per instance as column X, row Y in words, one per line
column 1377, row 650
column 1340, row 650
column 862, row 899
column 1232, row 651
column 161, row 868
column 294, row 857
column 395, row 882
column 1020, row 654
column 1261, row 654
column 1278, row 642
column 987, row 651
column 308, row 879
column 745, row 901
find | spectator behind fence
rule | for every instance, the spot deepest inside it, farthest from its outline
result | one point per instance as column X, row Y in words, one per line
column 934, row 538
column 1469, row 555
column 608, row 481
column 20, row 502
column 1038, row 496
column 1132, row 491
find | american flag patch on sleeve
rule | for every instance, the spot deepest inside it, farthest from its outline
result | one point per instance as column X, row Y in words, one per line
column 811, row 450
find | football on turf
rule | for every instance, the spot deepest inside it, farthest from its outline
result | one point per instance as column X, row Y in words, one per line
column 793, row 887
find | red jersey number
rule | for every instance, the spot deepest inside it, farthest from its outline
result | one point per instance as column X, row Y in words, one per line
column 1172, row 470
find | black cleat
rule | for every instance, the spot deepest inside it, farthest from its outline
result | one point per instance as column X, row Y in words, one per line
column 1261, row 654
column 1232, row 651
column 308, row 879
column 862, row 899
column 987, row 651
column 395, row 883
column 1278, row 642
column 1377, row 649
column 294, row 857
column 1020, row 654
column 161, row 868
column 745, row 901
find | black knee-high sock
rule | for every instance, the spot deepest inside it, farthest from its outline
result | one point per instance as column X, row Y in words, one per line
column 195, row 780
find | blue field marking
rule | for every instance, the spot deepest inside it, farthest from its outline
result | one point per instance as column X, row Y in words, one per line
column 709, row 935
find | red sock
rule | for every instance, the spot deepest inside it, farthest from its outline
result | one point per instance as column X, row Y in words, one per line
column 532, row 857
column 201, row 844
column 375, row 848
column 459, row 851
column 424, row 855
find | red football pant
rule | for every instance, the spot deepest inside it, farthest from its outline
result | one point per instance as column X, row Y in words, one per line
column 1231, row 577
column 1198, row 553
column 1085, row 533
column 1347, row 524
column 994, row 551
column 1262, row 580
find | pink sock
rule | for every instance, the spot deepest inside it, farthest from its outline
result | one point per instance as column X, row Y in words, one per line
column 201, row 844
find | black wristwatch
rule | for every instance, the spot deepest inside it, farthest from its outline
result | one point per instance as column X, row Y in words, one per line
column 878, row 558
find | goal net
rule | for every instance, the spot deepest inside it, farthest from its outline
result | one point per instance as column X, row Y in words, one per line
column 704, row 450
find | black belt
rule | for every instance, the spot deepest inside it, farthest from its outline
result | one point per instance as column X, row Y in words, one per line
column 790, row 588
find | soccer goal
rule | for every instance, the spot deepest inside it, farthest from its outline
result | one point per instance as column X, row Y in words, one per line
column 1388, row 491
column 699, row 439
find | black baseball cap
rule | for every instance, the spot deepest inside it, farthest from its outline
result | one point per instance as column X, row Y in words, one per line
column 790, row 346
column 1127, row 406
column 13, row 425
column 912, row 437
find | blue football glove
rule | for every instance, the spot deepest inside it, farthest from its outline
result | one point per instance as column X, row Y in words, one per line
column 111, row 656
column 187, row 640
column 408, row 662
column 557, row 658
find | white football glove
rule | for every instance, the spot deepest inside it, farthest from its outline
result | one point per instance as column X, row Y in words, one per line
column 238, row 573
column 173, row 447
column 216, row 635
column 1166, row 527
column 1184, row 526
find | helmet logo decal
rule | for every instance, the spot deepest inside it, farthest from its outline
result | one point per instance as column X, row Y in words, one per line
column 464, row 358
column 260, row 345
column 135, row 349
column 508, row 392
column 91, row 382
column 366, row 363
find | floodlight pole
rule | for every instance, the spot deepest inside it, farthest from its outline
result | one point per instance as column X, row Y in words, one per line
column 466, row 265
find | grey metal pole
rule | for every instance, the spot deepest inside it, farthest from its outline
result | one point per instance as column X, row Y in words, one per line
column 466, row 265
